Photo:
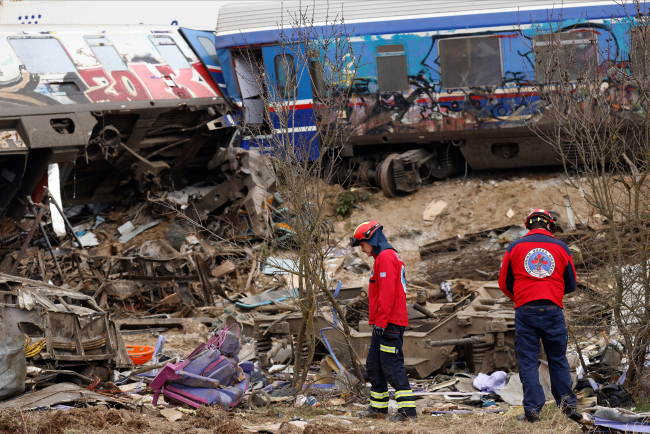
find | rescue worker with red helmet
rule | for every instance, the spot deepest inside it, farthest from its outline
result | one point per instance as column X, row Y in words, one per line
column 536, row 272
column 387, row 301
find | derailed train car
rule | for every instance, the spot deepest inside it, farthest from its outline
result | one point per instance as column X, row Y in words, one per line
column 123, row 110
column 442, row 83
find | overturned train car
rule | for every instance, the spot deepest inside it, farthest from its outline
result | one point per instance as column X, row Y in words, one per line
column 477, row 330
column 122, row 110
column 442, row 84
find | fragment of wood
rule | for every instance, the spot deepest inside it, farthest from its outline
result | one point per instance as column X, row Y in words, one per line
column 224, row 269
column 183, row 313
column 168, row 303
column 41, row 264
column 98, row 274
column 442, row 385
column 203, row 271
column 250, row 275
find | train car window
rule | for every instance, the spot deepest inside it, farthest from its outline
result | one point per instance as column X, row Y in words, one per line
column 392, row 69
column 576, row 49
column 43, row 55
column 106, row 54
column 210, row 48
column 284, row 63
column 168, row 49
column 470, row 62
column 316, row 73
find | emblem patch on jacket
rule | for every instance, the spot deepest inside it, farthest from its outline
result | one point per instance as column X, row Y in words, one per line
column 404, row 278
column 539, row 263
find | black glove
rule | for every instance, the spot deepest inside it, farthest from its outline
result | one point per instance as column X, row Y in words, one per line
column 378, row 331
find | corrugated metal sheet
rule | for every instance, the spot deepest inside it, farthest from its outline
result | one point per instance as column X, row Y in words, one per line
column 247, row 17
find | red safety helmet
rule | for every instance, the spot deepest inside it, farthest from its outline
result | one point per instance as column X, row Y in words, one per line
column 364, row 232
column 540, row 215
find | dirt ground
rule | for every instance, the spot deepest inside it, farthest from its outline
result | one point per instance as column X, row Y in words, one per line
column 475, row 203
column 101, row 420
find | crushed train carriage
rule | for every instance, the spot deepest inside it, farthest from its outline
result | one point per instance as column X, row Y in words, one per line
column 123, row 111
column 441, row 84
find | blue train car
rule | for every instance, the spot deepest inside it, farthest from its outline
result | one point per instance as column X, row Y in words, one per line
column 444, row 83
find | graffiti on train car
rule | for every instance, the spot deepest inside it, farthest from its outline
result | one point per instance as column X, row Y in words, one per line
column 430, row 106
column 73, row 67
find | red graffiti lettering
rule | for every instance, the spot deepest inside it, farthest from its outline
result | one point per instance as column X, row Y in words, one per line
column 114, row 87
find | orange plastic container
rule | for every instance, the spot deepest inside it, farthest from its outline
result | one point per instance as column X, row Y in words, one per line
column 140, row 353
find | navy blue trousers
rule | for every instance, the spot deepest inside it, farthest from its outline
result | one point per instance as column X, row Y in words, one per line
column 531, row 325
column 385, row 364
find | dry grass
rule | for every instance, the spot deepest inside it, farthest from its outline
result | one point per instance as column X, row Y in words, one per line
column 99, row 420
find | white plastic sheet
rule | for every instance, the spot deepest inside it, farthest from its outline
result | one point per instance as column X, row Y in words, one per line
column 54, row 185
column 491, row 383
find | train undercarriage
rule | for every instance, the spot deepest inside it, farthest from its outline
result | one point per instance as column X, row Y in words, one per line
column 399, row 168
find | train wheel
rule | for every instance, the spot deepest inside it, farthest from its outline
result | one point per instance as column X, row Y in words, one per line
column 364, row 170
column 387, row 176
column 330, row 173
column 344, row 174
column 377, row 174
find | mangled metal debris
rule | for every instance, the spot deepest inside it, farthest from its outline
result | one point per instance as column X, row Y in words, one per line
column 478, row 328
column 61, row 327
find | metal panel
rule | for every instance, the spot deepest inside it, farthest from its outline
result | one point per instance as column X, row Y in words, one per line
column 246, row 17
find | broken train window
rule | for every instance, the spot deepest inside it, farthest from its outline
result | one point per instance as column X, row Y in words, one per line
column 392, row 68
column 172, row 54
column 210, row 48
column 470, row 62
column 42, row 55
column 555, row 51
column 317, row 75
column 106, row 53
column 286, row 86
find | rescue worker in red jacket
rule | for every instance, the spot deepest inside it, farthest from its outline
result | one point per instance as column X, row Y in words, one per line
column 536, row 272
column 387, row 300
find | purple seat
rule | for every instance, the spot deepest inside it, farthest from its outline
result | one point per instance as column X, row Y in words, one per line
column 209, row 375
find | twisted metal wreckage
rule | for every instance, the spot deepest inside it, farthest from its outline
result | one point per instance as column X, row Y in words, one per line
column 477, row 327
column 131, row 113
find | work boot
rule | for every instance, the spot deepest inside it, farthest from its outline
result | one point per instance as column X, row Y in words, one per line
column 572, row 414
column 401, row 417
column 370, row 412
column 528, row 418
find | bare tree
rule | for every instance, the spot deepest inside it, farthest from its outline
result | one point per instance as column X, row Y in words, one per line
column 303, row 140
column 595, row 115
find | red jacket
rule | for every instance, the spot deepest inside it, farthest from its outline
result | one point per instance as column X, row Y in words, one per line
column 537, row 267
column 387, row 290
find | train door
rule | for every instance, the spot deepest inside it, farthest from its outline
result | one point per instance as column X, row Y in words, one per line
column 304, row 121
column 247, row 73
column 203, row 44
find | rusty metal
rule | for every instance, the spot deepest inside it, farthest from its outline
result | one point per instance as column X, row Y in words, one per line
column 73, row 325
column 423, row 310
column 44, row 232
column 487, row 339
column 478, row 329
column 73, row 234
column 23, row 249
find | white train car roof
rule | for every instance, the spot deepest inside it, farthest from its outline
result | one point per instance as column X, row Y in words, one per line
column 257, row 22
